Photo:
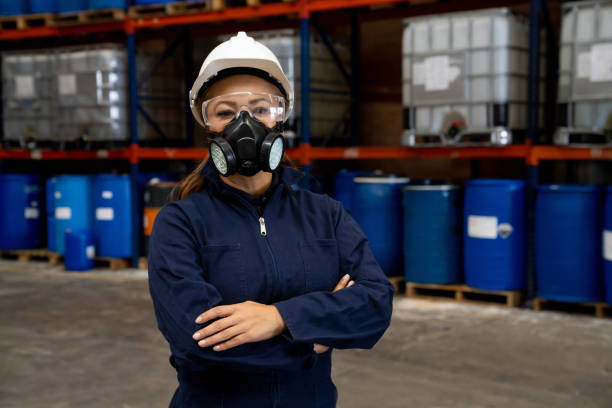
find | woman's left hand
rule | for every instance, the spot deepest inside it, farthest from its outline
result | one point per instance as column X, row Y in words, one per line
column 240, row 323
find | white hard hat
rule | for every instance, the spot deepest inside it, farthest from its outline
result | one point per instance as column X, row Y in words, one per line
column 240, row 51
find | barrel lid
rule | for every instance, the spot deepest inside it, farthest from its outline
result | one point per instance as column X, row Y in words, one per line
column 569, row 188
column 382, row 180
column 432, row 187
column 496, row 182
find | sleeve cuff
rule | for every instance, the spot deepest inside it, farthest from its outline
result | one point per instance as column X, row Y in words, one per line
column 286, row 315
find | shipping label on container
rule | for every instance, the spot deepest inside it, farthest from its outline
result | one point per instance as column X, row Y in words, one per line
column 24, row 86
column 480, row 226
column 67, row 84
column 63, row 213
column 583, row 65
column 105, row 214
column 31, row 213
column 601, row 62
column 607, row 245
column 436, row 73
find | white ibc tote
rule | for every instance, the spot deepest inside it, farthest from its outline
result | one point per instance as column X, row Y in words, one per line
column 585, row 74
column 465, row 78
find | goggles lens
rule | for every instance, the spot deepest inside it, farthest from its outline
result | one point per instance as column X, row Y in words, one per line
column 221, row 110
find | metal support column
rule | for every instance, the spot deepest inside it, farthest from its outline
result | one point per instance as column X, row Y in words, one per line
column 355, row 77
column 533, row 109
column 532, row 185
column 131, row 48
column 305, row 90
column 533, row 86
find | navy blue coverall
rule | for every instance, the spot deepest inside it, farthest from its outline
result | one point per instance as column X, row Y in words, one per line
column 209, row 249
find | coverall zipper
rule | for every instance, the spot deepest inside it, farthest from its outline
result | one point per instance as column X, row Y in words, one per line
column 262, row 228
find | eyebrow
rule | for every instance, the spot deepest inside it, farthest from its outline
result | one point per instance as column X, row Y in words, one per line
column 234, row 104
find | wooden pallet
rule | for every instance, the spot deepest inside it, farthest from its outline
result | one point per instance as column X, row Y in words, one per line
column 26, row 255
column 221, row 4
column 113, row 263
column 88, row 17
column 398, row 283
column 170, row 9
column 26, row 21
column 464, row 293
column 143, row 263
column 600, row 309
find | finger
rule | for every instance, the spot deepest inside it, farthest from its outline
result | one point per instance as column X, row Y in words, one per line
column 320, row 349
column 342, row 283
column 215, row 312
column 215, row 327
column 233, row 342
column 351, row 283
column 222, row 336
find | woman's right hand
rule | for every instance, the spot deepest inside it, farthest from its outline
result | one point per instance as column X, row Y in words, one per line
column 343, row 283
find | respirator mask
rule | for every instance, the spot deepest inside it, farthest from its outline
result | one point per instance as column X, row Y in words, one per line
column 251, row 138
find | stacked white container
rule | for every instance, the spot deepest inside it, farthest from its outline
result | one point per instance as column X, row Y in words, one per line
column 585, row 74
column 28, row 97
column 328, row 108
column 92, row 94
column 465, row 78
column 79, row 97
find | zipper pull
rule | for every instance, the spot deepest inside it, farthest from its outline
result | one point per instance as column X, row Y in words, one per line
column 262, row 226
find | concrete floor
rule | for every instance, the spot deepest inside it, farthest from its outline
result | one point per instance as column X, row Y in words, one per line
column 75, row 340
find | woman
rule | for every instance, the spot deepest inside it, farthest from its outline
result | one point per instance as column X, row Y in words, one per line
column 246, row 272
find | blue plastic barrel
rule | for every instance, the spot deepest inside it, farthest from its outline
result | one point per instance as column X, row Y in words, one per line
column 43, row 6
column 113, row 215
column 377, row 208
column 607, row 245
column 50, row 213
column 21, row 217
column 433, row 221
column 69, row 6
column 12, row 7
column 568, row 224
column 73, row 202
column 494, row 234
column 343, row 186
column 80, row 250
column 107, row 4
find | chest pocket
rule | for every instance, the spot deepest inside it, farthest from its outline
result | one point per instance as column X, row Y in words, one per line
column 321, row 264
column 226, row 271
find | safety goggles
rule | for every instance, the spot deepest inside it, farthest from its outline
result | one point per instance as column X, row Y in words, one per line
column 267, row 108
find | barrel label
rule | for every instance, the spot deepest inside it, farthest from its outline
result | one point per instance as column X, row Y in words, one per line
column 105, row 214
column 107, row 194
column 480, row 226
column 90, row 251
column 607, row 245
column 63, row 213
column 31, row 213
